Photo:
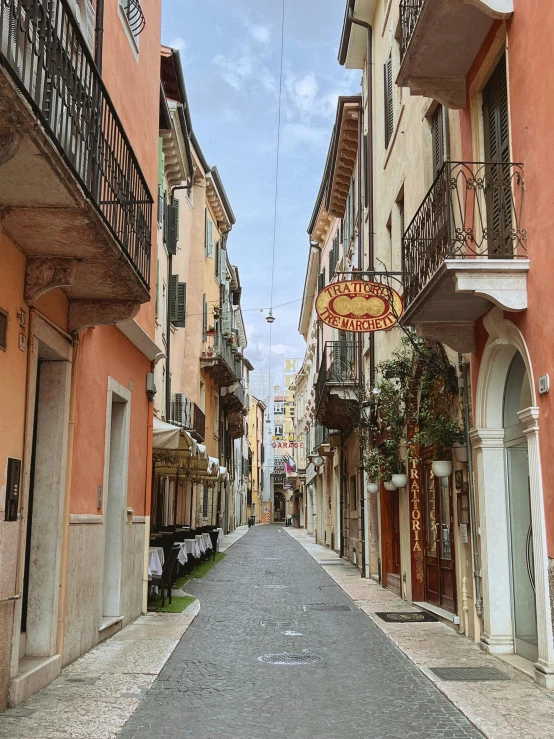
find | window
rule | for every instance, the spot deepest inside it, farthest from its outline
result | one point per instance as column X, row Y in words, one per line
column 133, row 20
column 215, row 398
column 209, row 237
column 389, row 105
column 217, row 260
column 202, row 398
column 178, row 302
column 334, row 257
column 437, row 136
column 172, row 227
column 321, row 281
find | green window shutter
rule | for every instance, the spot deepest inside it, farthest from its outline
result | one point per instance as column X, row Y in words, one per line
column 173, row 297
column 204, row 316
column 217, row 260
column 181, row 308
column 222, row 265
column 164, row 217
column 209, row 239
column 389, row 102
column 161, row 163
column 157, row 304
column 172, row 229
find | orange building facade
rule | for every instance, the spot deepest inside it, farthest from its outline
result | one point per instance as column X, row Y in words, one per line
column 78, row 177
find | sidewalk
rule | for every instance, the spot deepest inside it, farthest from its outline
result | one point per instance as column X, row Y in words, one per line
column 509, row 709
column 95, row 695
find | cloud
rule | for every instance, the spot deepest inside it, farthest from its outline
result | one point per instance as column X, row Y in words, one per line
column 178, row 43
column 295, row 134
column 261, row 34
column 236, row 70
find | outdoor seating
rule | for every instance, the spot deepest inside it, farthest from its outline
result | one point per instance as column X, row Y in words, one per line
column 166, row 579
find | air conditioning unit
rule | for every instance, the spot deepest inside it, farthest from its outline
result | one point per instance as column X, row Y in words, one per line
column 182, row 410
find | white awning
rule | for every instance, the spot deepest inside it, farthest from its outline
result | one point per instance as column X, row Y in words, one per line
column 168, row 436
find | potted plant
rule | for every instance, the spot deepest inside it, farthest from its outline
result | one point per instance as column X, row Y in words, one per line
column 441, row 431
column 210, row 331
column 372, row 465
column 460, row 451
column 295, row 520
column 389, row 486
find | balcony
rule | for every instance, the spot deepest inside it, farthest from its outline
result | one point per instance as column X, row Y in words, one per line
column 338, row 378
column 439, row 40
column 234, row 398
column 188, row 415
column 72, row 195
column 219, row 359
column 465, row 251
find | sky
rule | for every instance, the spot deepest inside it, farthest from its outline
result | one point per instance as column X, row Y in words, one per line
column 231, row 55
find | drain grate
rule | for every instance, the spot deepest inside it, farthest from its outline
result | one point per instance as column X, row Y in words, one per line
column 280, row 624
column 469, row 674
column 325, row 607
column 289, row 659
column 406, row 617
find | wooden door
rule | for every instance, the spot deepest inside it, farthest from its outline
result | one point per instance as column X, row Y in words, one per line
column 440, row 570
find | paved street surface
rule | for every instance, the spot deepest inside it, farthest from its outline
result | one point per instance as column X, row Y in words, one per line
column 256, row 602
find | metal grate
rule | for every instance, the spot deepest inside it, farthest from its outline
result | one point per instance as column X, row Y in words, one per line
column 406, row 617
column 325, row 607
column 3, row 330
column 284, row 658
column 469, row 674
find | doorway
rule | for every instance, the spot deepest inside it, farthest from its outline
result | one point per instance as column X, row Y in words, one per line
column 440, row 578
column 520, row 530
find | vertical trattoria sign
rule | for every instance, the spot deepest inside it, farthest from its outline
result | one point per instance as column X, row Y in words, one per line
column 417, row 519
column 359, row 306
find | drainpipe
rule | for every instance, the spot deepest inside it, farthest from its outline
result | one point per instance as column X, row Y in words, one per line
column 99, row 34
column 473, row 522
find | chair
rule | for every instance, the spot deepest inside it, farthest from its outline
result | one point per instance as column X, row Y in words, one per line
column 166, row 578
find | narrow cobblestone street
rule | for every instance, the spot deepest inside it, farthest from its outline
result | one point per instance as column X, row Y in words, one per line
column 256, row 602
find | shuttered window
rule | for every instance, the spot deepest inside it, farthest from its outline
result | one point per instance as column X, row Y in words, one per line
column 389, row 105
column 333, row 257
column 180, row 305
column 217, row 260
column 172, row 228
column 209, row 241
column 497, row 150
column 173, row 298
column 321, row 281
column 204, row 316
column 437, row 136
column 3, row 330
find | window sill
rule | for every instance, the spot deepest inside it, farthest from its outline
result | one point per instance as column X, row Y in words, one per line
column 108, row 621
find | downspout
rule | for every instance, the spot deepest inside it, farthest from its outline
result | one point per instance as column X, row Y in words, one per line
column 99, row 34
column 473, row 521
column 363, row 492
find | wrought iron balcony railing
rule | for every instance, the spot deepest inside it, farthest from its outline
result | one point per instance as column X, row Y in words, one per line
column 409, row 14
column 199, row 422
column 339, row 366
column 472, row 211
column 43, row 50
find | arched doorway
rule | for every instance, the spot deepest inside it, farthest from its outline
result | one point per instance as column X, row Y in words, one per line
column 517, row 397
column 514, row 561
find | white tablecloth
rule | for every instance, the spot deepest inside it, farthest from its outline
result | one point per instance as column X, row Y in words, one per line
column 207, row 542
column 155, row 561
column 192, row 547
column 221, row 535
column 201, row 543
column 183, row 556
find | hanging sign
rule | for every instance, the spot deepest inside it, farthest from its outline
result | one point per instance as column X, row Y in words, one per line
column 359, row 306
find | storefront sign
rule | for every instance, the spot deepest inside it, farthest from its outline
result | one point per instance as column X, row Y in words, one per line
column 287, row 444
column 359, row 306
column 417, row 531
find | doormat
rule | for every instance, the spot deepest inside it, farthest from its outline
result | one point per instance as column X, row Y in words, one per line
column 469, row 674
column 406, row 617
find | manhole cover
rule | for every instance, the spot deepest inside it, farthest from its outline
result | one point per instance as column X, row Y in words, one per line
column 469, row 674
column 289, row 659
column 406, row 617
column 280, row 624
column 325, row 607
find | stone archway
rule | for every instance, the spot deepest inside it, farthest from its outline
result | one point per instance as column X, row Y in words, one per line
column 505, row 342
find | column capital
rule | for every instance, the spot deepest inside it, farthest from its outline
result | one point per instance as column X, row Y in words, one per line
column 529, row 418
column 489, row 438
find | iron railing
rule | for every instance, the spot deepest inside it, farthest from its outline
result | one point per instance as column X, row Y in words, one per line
column 409, row 14
column 472, row 211
column 231, row 358
column 43, row 50
column 339, row 366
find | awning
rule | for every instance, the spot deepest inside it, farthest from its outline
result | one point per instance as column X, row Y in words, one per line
column 168, row 436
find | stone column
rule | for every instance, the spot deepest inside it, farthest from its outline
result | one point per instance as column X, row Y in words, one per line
column 544, row 667
column 488, row 446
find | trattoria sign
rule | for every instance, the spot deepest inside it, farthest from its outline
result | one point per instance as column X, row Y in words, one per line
column 359, row 306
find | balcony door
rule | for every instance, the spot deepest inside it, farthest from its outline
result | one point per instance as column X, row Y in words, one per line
column 440, row 577
column 498, row 186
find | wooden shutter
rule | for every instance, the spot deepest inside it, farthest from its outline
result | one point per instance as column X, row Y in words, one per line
column 437, row 131
column 222, row 265
column 174, row 297
column 204, row 316
column 181, row 307
column 209, row 243
column 172, row 230
column 389, row 105
column 3, row 330
column 157, row 304
column 497, row 154
column 217, row 259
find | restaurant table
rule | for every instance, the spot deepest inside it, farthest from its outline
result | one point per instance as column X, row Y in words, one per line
column 155, row 561
column 183, row 556
column 207, row 542
column 221, row 534
column 192, row 547
column 201, row 543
